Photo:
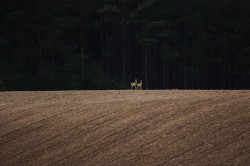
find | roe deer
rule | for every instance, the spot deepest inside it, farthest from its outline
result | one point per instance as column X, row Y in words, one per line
column 139, row 85
column 134, row 84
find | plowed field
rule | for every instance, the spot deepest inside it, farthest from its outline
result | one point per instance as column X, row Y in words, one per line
column 128, row 127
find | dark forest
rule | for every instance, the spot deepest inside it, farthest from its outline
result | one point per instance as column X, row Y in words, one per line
column 106, row 44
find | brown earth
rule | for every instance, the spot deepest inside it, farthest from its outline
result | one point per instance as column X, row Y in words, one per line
column 128, row 127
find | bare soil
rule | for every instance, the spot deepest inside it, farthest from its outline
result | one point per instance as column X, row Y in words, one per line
column 127, row 127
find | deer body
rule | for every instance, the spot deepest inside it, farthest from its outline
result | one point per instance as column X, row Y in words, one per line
column 139, row 85
column 134, row 84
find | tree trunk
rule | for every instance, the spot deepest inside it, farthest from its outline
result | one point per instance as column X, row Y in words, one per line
column 39, row 42
column 150, row 61
column 108, row 48
column 185, row 58
column 146, row 66
column 102, row 42
column 124, row 47
column 82, row 53
column 82, row 65
column 164, row 66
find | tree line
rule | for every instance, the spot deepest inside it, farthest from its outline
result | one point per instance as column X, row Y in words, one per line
column 106, row 44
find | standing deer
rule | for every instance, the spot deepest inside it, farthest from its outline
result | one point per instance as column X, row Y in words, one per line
column 139, row 85
column 134, row 84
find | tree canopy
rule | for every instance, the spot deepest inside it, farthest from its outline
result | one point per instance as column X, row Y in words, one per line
column 106, row 44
